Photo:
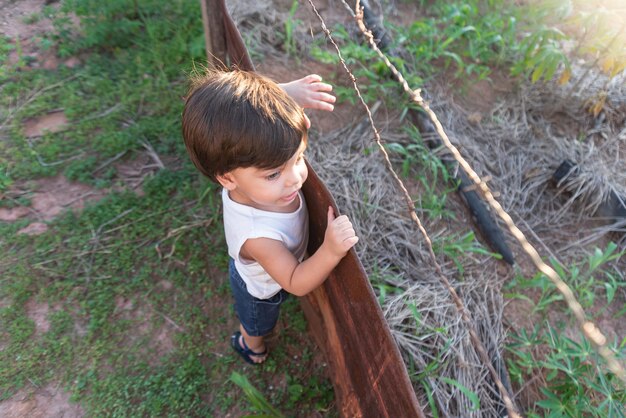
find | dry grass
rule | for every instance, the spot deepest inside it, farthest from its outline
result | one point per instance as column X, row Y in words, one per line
column 519, row 146
column 421, row 316
column 525, row 139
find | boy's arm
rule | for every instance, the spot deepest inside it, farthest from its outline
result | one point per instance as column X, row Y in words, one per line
column 301, row 278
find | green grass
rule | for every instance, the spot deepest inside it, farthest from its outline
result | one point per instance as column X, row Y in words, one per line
column 138, row 320
column 576, row 379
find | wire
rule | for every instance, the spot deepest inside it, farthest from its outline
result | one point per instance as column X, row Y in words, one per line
column 482, row 352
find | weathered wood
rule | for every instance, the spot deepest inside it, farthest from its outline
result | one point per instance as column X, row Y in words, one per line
column 367, row 370
column 214, row 32
column 224, row 44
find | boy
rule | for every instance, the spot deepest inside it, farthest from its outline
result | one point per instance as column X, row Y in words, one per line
column 245, row 132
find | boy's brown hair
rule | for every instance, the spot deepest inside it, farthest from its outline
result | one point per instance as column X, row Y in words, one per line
column 240, row 119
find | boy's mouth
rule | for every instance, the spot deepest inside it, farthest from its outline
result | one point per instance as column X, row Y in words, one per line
column 291, row 196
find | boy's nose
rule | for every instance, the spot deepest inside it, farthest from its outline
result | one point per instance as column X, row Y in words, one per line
column 294, row 177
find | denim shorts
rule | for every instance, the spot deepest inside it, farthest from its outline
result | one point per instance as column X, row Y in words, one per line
column 257, row 316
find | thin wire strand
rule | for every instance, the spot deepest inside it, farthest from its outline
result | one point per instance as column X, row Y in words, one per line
column 512, row 410
column 589, row 329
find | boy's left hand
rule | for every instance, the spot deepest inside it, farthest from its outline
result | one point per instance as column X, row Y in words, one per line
column 339, row 236
column 309, row 92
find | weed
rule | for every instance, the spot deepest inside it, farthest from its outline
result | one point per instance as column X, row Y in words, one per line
column 586, row 285
column 575, row 385
column 256, row 399
column 418, row 162
column 5, row 180
column 541, row 55
column 81, row 170
column 456, row 246
column 363, row 63
column 468, row 393
column 290, row 23
column 574, row 382
column 463, row 34
column 5, row 48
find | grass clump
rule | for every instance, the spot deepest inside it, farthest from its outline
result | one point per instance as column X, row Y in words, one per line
column 562, row 366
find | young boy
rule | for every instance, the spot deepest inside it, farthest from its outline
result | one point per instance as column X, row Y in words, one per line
column 245, row 132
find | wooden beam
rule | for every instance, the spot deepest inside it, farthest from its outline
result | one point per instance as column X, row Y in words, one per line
column 367, row 370
column 214, row 33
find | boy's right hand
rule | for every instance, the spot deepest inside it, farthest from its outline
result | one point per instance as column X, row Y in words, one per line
column 340, row 235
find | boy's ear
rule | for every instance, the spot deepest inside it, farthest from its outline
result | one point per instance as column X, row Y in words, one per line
column 227, row 181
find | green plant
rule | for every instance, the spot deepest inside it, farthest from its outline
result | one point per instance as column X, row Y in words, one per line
column 5, row 180
column 576, row 385
column 362, row 61
column 455, row 246
column 81, row 170
column 541, row 55
column 428, row 169
column 576, row 382
column 383, row 282
column 468, row 393
column 290, row 23
column 471, row 35
column 256, row 399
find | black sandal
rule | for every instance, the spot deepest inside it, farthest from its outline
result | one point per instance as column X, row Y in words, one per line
column 244, row 351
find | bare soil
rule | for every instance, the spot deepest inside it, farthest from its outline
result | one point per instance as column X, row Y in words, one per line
column 14, row 16
column 22, row 20
column 52, row 122
column 49, row 197
column 45, row 402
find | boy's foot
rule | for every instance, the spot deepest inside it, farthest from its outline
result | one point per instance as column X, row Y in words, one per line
column 239, row 345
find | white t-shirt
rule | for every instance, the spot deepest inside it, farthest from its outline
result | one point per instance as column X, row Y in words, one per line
column 243, row 222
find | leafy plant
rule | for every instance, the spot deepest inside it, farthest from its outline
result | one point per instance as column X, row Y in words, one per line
column 256, row 399
column 455, row 246
column 290, row 23
column 465, row 34
column 419, row 162
column 575, row 385
column 362, row 61
column 542, row 55
column 468, row 393
column 575, row 381
column 5, row 180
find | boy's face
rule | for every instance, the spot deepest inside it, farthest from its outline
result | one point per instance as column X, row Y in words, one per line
column 272, row 190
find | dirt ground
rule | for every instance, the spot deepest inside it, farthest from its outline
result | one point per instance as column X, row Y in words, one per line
column 50, row 197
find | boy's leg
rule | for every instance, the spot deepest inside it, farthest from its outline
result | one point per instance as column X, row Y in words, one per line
column 255, row 344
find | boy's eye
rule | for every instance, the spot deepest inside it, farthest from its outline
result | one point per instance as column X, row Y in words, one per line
column 273, row 176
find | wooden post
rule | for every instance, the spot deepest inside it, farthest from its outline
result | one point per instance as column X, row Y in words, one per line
column 214, row 33
column 368, row 373
column 367, row 370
